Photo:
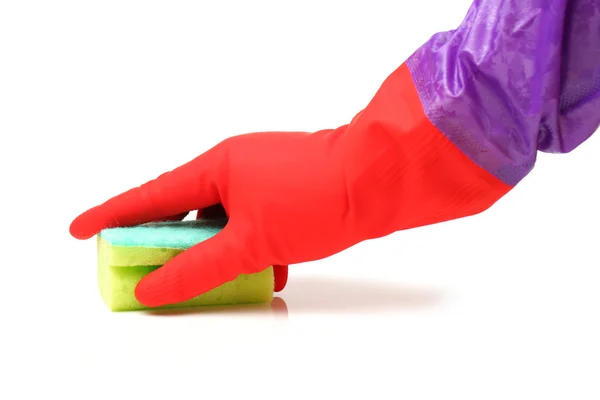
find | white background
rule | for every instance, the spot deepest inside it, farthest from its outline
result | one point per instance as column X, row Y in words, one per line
column 98, row 97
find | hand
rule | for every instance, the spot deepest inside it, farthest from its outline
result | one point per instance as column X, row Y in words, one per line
column 293, row 197
column 285, row 195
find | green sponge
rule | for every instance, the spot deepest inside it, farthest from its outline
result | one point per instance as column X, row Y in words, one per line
column 126, row 255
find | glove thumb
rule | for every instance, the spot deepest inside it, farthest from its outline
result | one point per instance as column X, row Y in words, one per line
column 200, row 269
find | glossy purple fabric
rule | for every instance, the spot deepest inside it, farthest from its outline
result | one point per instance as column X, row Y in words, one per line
column 516, row 77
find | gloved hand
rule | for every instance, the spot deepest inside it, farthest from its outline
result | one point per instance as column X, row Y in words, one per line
column 448, row 133
column 295, row 197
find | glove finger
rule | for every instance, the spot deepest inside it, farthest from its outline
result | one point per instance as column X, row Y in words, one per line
column 280, row 273
column 189, row 187
column 200, row 269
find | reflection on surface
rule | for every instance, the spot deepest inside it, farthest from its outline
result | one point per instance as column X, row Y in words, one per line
column 277, row 307
column 311, row 294
column 306, row 294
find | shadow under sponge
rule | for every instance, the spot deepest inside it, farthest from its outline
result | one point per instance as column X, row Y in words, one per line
column 126, row 255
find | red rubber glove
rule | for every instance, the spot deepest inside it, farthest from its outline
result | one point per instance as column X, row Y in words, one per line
column 296, row 197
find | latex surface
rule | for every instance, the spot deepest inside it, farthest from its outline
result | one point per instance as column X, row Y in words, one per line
column 516, row 77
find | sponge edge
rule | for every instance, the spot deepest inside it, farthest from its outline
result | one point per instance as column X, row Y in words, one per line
column 126, row 255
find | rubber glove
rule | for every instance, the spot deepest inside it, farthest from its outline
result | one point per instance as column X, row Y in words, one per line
column 447, row 134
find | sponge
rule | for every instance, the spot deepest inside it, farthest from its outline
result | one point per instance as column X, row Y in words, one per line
column 127, row 254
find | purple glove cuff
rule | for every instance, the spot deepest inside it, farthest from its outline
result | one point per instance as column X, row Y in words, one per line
column 516, row 77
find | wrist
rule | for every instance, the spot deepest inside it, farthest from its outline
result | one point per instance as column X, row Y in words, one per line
column 402, row 172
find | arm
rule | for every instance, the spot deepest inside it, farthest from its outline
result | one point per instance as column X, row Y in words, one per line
column 459, row 124
column 515, row 78
column 448, row 133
